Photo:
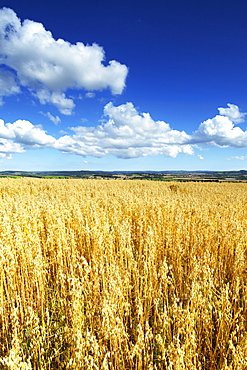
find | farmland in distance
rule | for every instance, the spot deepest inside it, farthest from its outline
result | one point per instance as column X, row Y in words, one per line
column 122, row 275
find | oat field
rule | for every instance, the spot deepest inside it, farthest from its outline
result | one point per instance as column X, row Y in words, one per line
column 120, row 275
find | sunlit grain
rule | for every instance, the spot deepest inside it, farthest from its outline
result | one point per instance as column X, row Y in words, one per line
column 122, row 275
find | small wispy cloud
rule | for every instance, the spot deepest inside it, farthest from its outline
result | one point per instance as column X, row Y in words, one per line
column 90, row 95
column 56, row 120
column 238, row 157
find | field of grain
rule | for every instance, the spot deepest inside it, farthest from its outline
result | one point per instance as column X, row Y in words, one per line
column 141, row 275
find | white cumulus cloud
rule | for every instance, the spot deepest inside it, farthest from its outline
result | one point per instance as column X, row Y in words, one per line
column 220, row 131
column 25, row 135
column 126, row 134
column 233, row 113
column 48, row 67
column 8, row 147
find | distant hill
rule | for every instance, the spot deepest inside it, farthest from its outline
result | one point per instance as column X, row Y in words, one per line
column 145, row 175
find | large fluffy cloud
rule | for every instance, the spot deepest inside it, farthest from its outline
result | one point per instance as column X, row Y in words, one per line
column 48, row 67
column 8, row 147
column 20, row 136
column 129, row 134
column 221, row 130
column 126, row 133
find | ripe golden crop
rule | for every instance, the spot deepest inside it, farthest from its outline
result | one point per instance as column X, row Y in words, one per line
column 107, row 274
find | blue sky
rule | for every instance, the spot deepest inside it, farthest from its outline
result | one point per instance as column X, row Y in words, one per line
column 123, row 85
